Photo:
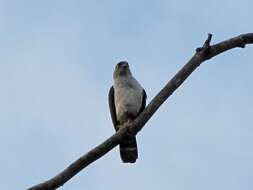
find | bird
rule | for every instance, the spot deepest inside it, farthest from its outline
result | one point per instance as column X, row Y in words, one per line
column 127, row 99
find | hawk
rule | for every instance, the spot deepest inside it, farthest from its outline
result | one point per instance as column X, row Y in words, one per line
column 127, row 99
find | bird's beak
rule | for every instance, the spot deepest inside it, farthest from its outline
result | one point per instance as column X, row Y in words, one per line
column 125, row 65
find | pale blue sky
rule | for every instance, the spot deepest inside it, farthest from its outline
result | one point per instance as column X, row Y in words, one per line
column 56, row 64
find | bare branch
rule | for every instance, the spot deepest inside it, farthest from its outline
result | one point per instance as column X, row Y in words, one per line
column 202, row 54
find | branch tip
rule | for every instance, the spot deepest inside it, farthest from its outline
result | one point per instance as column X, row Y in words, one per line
column 206, row 44
column 208, row 40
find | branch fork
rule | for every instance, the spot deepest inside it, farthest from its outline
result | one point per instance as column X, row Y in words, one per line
column 206, row 46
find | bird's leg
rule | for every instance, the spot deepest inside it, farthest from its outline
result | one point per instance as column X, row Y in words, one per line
column 127, row 124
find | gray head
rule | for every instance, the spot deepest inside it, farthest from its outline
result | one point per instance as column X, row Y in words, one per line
column 122, row 69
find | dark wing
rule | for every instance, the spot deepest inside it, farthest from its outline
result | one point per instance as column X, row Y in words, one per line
column 144, row 97
column 112, row 108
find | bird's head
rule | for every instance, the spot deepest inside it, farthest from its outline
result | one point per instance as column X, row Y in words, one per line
column 122, row 69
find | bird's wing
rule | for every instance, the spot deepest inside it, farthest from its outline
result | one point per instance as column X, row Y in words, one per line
column 112, row 108
column 143, row 104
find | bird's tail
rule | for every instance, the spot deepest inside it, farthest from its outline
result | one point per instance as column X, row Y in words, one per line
column 128, row 149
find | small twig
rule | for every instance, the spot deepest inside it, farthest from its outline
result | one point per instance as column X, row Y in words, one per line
column 206, row 45
column 208, row 40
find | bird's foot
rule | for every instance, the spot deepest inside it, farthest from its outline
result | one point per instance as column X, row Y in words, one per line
column 127, row 125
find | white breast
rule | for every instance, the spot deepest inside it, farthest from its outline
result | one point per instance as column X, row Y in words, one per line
column 127, row 96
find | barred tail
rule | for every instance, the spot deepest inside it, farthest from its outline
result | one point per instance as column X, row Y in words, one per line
column 128, row 149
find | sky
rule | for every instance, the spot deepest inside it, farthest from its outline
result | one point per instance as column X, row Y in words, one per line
column 56, row 65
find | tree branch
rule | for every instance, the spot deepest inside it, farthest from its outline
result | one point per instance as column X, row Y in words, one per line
column 202, row 54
